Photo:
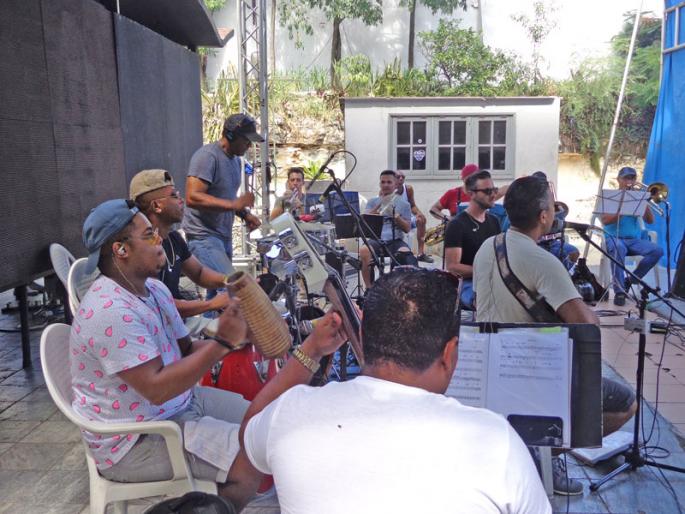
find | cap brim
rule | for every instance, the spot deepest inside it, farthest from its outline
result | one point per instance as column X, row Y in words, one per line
column 92, row 264
column 254, row 137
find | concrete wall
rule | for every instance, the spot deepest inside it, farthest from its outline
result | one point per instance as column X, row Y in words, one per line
column 382, row 44
column 368, row 135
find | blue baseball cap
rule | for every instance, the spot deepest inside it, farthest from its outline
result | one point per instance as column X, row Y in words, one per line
column 103, row 222
column 627, row 171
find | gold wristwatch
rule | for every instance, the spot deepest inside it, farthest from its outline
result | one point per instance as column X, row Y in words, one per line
column 306, row 360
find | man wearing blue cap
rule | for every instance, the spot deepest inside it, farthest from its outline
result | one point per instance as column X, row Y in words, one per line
column 214, row 177
column 132, row 360
column 626, row 239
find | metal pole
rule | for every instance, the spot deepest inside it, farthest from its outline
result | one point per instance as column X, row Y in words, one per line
column 264, row 111
column 617, row 114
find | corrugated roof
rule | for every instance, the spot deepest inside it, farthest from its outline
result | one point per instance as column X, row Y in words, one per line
column 186, row 22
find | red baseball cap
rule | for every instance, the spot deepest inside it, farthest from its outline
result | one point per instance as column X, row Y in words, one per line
column 469, row 169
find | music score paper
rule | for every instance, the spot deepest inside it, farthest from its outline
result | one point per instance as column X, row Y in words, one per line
column 520, row 371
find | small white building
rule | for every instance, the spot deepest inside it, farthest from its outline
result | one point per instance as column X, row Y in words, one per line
column 432, row 138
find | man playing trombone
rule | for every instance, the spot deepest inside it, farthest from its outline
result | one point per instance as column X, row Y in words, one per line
column 626, row 239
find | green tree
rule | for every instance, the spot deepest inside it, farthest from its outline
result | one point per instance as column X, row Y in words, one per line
column 295, row 15
column 459, row 58
column 537, row 29
column 443, row 6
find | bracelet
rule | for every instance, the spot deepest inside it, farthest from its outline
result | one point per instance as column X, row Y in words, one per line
column 306, row 360
column 228, row 345
column 242, row 213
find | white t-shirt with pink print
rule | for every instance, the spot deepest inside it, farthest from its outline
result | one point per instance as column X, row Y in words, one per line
column 115, row 330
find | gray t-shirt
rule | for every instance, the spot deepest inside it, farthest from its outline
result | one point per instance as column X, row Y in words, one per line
column 401, row 207
column 539, row 270
column 211, row 165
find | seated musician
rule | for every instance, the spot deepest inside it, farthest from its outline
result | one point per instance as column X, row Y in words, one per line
column 452, row 198
column 627, row 240
column 466, row 232
column 396, row 222
column 418, row 220
column 292, row 200
column 132, row 360
column 554, row 242
column 156, row 197
column 538, row 289
column 389, row 440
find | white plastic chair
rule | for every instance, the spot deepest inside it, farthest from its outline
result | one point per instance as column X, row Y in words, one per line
column 54, row 354
column 61, row 259
column 78, row 282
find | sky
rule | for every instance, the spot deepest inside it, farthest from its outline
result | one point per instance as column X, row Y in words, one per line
column 584, row 28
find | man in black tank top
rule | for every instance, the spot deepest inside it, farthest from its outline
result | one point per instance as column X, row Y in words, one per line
column 467, row 231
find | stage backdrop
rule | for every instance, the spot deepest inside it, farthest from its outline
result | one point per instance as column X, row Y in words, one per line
column 73, row 129
column 665, row 154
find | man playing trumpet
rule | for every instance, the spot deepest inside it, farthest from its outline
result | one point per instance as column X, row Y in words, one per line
column 396, row 222
column 626, row 239
column 293, row 198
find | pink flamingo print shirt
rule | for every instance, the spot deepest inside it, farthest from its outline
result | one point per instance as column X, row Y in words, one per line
column 115, row 330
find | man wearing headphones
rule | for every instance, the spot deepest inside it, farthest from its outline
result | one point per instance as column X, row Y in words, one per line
column 214, row 177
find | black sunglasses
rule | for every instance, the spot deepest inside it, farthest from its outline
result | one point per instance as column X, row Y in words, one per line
column 488, row 190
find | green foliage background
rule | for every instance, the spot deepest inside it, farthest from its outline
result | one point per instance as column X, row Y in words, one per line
column 459, row 64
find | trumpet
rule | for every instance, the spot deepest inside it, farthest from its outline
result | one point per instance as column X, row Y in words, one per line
column 658, row 192
column 387, row 204
column 435, row 235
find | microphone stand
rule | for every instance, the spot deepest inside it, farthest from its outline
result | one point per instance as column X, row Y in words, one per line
column 361, row 224
column 633, row 457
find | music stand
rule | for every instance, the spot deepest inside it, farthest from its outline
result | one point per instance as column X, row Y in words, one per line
column 622, row 202
column 373, row 227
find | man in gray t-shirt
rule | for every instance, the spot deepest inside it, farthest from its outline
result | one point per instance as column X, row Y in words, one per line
column 211, row 194
column 396, row 214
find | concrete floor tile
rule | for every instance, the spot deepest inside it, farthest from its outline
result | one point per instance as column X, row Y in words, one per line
column 60, row 487
column 5, row 373
column 667, row 393
column 5, row 405
column 40, row 394
column 14, row 431
column 16, row 485
column 58, row 416
column 53, row 432
column 73, row 460
column 31, row 377
column 33, row 456
column 4, row 447
column 67, row 508
column 673, row 412
column 27, row 411
column 13, row 393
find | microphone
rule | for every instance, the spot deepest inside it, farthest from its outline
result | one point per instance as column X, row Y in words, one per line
column 321, row 169
column 579, row 227
column 328, row 191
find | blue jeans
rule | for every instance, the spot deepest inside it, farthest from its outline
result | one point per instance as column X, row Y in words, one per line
column 555, row 248
column 213, row 252
column 467, row 294
column 619, row 248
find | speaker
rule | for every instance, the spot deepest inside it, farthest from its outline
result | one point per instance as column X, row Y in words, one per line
column 678, row 287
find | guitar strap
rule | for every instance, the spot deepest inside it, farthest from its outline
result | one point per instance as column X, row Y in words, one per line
column 533, row 303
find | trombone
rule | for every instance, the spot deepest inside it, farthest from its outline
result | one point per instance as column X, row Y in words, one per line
column 658, row 192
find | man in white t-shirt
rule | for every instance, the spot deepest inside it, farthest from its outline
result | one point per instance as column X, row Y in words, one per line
column 389, row 440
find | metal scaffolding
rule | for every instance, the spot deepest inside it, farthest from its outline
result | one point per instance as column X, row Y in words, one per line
column 252, row 74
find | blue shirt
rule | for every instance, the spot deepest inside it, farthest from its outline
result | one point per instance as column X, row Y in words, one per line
column 628, row 227
column 222, row 174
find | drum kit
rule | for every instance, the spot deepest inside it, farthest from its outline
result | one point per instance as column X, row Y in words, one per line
column 297, row 286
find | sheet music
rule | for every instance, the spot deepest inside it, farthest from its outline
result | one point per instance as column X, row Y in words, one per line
column 620, row 201
column 469, row 381
column 529, row 374
column 525, row 372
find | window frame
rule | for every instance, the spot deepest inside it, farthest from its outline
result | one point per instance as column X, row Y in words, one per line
column 472, row 142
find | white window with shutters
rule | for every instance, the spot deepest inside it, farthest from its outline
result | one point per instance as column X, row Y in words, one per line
column 434, row 146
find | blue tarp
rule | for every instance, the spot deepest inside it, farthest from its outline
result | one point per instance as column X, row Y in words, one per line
column 666, row 153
